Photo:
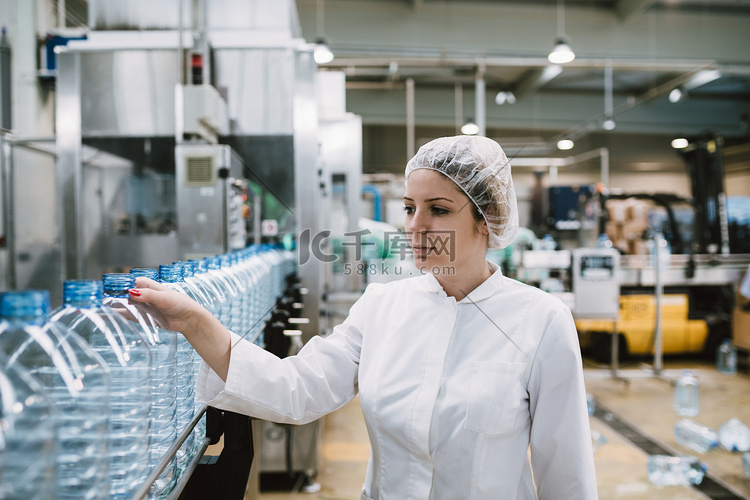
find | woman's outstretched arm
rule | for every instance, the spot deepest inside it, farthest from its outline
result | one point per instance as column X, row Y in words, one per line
column 178, row 312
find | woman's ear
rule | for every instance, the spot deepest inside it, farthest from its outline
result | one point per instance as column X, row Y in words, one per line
column 485, row 229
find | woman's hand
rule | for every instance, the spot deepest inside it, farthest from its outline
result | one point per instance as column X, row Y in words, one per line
column 177, row 312
column 172, row 310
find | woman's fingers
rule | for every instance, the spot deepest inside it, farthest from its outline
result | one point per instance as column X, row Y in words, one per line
column 170, row 308
column 143, row 282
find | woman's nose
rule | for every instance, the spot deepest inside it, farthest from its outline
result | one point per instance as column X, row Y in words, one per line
column 418, row 222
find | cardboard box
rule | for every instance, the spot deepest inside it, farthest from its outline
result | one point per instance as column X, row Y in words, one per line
column 616, row 210
column 741, row 328
column 636, row 210
column 637, row 247
column 741, row 319
column 614, row 232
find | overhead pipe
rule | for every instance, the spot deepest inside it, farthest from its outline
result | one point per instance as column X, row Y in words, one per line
column 410, row 135
column 459, row 106
column 480, row 101
column 5, row 81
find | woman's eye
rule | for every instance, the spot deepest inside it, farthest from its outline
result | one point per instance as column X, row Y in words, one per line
column 409, row 210
column 439, row 211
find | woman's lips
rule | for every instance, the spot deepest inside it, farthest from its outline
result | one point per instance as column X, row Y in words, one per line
column 421, row 250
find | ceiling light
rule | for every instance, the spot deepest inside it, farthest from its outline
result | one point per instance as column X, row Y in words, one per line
column 565, row 144
column 470, row 128
column 322, row 53
column 505, row 96
column 608, row 124
column 561, row 52
column 680, row 143
column 677, row 95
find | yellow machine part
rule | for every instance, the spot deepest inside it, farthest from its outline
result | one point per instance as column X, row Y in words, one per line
column 638, row 319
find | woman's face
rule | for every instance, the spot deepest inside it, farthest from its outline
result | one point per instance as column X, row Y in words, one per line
column 439, row 223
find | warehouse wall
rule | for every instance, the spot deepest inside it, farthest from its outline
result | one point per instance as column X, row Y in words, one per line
column 385, row 151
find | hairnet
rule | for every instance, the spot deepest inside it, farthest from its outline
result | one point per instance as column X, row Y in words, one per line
column 481, row 170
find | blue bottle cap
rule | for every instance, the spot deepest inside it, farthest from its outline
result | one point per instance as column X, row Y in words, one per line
column 148, row 272
column 117, row 284
column 30, row 306
column 83, row 293
column 170, row 273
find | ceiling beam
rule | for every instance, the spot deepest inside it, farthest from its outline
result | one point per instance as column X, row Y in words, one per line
column 628, row 9
column 537, row 78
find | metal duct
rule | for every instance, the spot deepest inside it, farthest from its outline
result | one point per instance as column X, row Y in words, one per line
column 261, row 15
column 4, row 82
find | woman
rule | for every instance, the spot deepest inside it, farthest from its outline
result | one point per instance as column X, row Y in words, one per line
column 470, row 383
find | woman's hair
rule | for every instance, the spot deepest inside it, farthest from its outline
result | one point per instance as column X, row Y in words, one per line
column 481, row 170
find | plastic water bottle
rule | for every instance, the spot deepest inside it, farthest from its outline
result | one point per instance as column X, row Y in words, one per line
column 665, row 470
column 28, row 425
column 726, row 358
column 207, row 297
column 128, row 357
column 220, row 288
column 590, row 404
column 695, row 436
column 603, row 241
column 746, row 464
column 163, row 344
column 597, row 440
column 734, row 436
column 171, row 276
column 219, row 267
column 75, row 378
column 686, row 402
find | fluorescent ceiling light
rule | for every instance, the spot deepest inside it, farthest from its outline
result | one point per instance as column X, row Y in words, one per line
column 505, row 96
column 470, row 128
column 565, row 144
column 677, row 95
column 680, row 143
column 609, row 124
column 322, row 53
column 561, row 53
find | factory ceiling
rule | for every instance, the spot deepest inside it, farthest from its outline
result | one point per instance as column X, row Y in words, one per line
column 631, row 56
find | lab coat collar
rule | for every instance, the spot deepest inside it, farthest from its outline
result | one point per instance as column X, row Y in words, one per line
column 483, row 291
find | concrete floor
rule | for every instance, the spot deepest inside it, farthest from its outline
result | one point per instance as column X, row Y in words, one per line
column 639, row 399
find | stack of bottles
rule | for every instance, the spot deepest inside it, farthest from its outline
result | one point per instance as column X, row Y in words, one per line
column 95, row 393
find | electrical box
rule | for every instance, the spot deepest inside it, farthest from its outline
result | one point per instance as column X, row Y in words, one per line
column 596, row 283
column 210, row 192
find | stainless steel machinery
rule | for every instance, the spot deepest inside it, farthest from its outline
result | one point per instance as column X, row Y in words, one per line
column 205, row 108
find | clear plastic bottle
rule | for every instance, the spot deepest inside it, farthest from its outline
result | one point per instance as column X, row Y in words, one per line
column 686, row 402
column 262, row 301
column 28, row 426
column 734, row 436
column 128, row 357
column 204, row 272
column 726, row 358
column 665, row 470
column 171, row 276
column 695, row 436
column 227, row 273
column 163, row 344
column 597, row 440
column 603, row 241
column 75, row 378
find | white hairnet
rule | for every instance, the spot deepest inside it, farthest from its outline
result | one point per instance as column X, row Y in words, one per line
column 481, row 170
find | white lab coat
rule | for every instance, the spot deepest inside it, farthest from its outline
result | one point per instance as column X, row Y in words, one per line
column 462, row 400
